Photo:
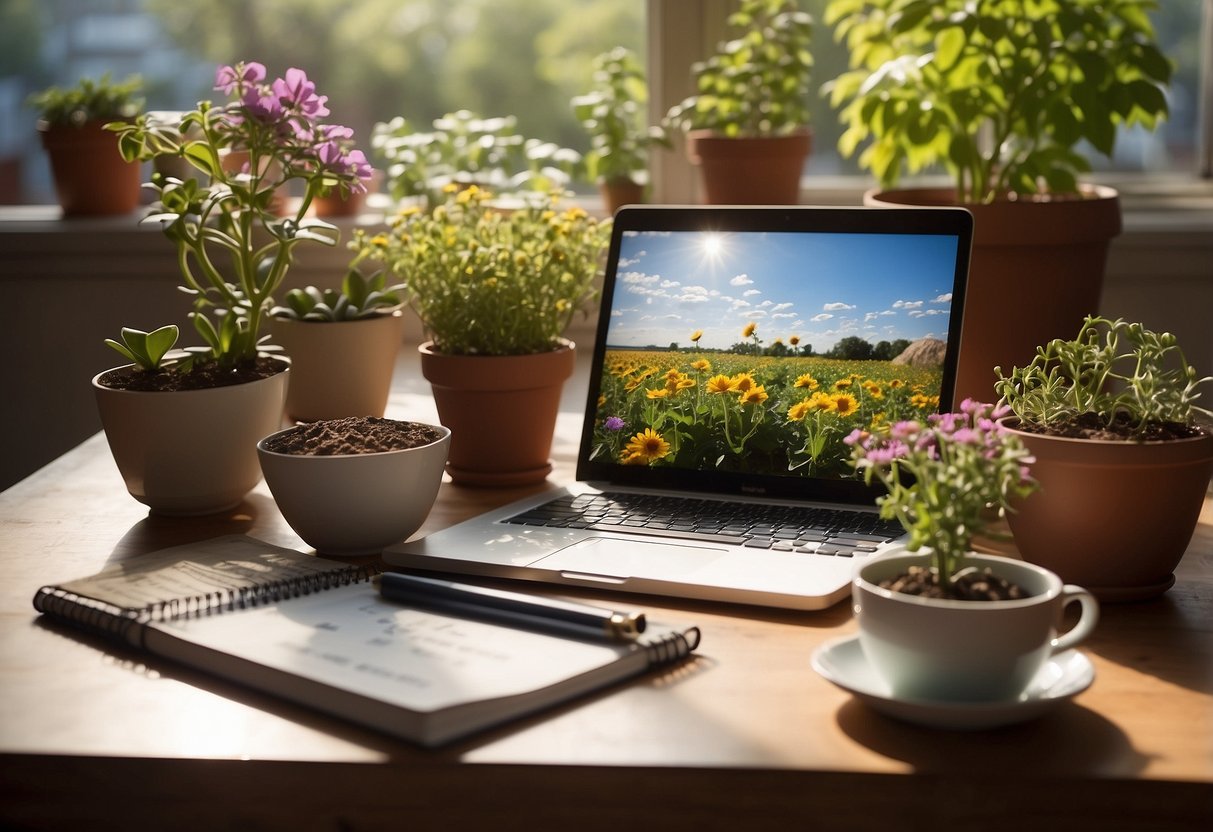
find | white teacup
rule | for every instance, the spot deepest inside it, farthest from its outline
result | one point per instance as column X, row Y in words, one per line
column 969, row 651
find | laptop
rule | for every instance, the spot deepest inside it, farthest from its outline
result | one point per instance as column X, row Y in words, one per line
column 736, row 348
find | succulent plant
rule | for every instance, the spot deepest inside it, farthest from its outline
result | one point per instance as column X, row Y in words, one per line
column 359, row 297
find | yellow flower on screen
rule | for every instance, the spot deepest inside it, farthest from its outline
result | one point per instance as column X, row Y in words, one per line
column 649, row 444
column 755, row 395
column 845, row 404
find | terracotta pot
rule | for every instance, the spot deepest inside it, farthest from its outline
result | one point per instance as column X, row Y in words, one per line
column 333, row 204
column 91, row 177
column 339, row 368
column 620, row 191
column 1036, row 272
column 749, row 170
column 355, row 504
column 195, row 451
column 1115, row 517
column 501, row 411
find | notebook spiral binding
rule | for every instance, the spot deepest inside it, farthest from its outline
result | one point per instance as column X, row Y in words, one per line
column 100, row 616
column 673, row 646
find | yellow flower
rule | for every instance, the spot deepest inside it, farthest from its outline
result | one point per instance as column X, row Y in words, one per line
column 601, row 400
column 845, row 404
column 696, row 335
column 649, row 444
column 720, row 384
column 743, row 382
column 749, row 329
column 842, row 384
column 657, row 393
column 702, row 365
column 896, row 384
column 821, row 401
column 797, row 411
column 755, row 395
column 873, row 390
column 686, row 383
column 562, row 305
column 794, row 340
column 806, row 381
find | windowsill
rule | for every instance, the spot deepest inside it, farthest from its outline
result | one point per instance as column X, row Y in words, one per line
column 1150, row 203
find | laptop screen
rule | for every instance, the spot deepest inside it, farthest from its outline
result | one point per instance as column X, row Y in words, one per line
column 737, row 347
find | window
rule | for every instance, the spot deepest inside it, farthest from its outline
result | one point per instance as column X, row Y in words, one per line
column 375, row 59
column 682, row 32
column 422, row 58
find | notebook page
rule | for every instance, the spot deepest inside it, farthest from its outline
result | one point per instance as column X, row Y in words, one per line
column 349, row 639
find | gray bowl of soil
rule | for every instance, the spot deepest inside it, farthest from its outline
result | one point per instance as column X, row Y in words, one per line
column 357, row 485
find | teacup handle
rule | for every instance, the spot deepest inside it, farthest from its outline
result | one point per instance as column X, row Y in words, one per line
column 1086, row 621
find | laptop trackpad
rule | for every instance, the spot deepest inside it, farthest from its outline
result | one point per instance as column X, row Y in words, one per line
column 627, row 559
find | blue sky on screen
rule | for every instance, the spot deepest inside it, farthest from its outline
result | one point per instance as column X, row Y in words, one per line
column 821, row 287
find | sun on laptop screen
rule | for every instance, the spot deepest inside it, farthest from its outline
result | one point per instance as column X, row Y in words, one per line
column 758, row 352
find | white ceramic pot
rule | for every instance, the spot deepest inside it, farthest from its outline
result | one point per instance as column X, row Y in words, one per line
column 191, row 452
column 356, row 504
column 968, row 651
column 339, row 368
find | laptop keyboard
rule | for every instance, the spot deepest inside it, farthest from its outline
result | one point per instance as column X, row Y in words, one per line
column 822, row 531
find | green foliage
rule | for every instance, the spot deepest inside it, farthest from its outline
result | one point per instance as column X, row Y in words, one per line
column 465, row 149
column 1000, row 91
column 488, row 281
column 145, row 349
column 758, row 83
column 359, row 297
column 1114, row 369
column 613, row 115
column 89, row 100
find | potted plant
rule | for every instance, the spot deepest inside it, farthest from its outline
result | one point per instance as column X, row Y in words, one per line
column 494, row 290
column 1122, row 460
column 1003, row 100
column 953, row 625
column 183, row 425
column 612, row 113
column 356, row 485
column 91, row 177
column 464, row 149
column 342, row 344
column 747, row 124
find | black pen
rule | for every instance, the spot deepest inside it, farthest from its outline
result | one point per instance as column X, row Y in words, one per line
column 511, row 607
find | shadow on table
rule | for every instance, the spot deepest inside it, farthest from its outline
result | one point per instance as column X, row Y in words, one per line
column 1069, row 741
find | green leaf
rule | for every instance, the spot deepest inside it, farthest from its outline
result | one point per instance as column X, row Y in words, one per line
column 948, row 46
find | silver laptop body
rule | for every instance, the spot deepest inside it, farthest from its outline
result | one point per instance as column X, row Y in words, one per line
column 736, row 348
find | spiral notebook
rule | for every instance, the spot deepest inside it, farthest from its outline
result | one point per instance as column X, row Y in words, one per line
column 315, row 631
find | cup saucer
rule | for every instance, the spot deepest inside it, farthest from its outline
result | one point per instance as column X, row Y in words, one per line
column 1063, row 676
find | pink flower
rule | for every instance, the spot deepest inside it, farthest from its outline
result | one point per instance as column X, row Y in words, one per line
column 239, row 77
column 297, row 93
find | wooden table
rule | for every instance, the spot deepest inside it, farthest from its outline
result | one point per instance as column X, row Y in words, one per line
column 746, row 736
